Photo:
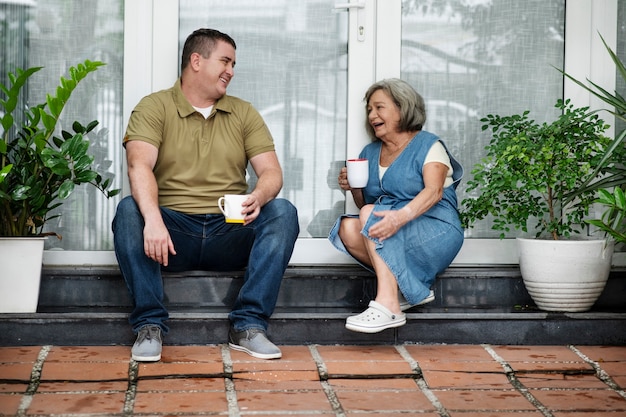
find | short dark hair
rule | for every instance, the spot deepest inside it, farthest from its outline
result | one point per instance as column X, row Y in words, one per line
column 202, row 41
column 410, row 103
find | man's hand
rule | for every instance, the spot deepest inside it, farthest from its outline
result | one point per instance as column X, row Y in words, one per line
column 157, row 243
column 251, row 209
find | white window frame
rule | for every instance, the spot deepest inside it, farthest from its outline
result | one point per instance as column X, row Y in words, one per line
column 151, row 63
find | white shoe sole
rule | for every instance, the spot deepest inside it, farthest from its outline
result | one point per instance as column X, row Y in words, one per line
column 155, row 358
column 256, row 354
column 405, row 305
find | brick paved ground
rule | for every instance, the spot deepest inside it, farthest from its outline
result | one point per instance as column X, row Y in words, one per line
column 352, row 381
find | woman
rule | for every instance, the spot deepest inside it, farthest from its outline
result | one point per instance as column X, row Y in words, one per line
column 408, row 228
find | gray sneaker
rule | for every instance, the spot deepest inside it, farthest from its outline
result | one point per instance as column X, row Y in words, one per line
column 254, row 342
column 147, row 347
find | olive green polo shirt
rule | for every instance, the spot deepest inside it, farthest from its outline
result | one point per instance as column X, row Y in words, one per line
column 199, row 159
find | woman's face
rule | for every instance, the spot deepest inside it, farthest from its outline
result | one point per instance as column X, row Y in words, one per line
column 383, row 114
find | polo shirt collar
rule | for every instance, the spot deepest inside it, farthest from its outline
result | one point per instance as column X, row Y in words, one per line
column 185, row 109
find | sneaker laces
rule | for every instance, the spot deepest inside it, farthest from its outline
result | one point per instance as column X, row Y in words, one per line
column 250, row 333
column 149, row 333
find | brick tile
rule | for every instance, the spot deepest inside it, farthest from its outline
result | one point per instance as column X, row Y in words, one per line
column 279, row 366
column 180, row 402
column 500, row 413
column 559, row 367
column 13, row 388
column 537, row 354
column 264, row 384
column 604, row 353
column 461, row 366
column 458, row 353
column 65, row 386
column 89, row 354
column 84, row 371
column 565, row 381
column 359, row 353
column 209, row 353
column 208, row 369
column 181, row 384
column 398, row 384
column 77, row 403
column 581, row 400
column 19, row 354
column 387, row 402
column 614, row 369
column 392, row 413
column 542, row 358
column 9, row 404
column 18, row 371
column 277, row 376
column 369, row 368
column 585, row 414
column 477, row 400
column 469, row 380
column 281, row 401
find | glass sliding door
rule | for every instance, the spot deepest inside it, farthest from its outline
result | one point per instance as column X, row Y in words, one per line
column 473, row 58
column 58, row 34
column 292, row 66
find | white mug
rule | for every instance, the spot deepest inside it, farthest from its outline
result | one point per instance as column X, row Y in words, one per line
column 358, row 172
column 231, row 206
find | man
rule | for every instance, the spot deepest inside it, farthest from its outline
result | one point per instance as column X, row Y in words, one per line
column 186, row 147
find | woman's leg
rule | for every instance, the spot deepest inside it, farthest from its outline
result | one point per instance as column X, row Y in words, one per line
column 386, row 283
column 353, row 240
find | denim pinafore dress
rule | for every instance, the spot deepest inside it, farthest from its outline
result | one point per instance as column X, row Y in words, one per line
column 427, row 245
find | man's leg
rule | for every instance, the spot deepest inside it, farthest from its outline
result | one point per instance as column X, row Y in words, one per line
column 143, row 280
column 275, row 233
column 142, row 274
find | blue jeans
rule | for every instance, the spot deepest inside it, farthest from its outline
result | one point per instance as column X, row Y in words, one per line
column 206, row 242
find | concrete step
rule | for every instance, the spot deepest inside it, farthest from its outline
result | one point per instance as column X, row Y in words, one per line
column 90, row 305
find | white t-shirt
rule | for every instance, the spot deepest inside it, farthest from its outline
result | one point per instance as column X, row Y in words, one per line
column 205, row 111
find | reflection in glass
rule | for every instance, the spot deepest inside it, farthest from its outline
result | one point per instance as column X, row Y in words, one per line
column 472, row 58
column 58, row 34
column 292, row 66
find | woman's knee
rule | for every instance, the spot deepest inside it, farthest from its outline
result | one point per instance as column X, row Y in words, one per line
column 365, row 213
column 350, row 231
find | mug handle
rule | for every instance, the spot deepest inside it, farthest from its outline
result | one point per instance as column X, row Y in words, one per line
column 220, row 203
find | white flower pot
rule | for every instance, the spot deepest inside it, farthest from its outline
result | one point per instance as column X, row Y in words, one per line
column 20, row 273
column 565, row 275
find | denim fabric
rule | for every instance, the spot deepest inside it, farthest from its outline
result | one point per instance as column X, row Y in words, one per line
column 428, row 244
column 206, row 242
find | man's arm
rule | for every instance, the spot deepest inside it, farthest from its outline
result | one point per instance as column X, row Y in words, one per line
column 269, row 183
column 141, row 158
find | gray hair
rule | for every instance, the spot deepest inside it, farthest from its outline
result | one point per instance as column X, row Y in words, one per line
column 409, row 102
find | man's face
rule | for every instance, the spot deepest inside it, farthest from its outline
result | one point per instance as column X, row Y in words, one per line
column 217, row 70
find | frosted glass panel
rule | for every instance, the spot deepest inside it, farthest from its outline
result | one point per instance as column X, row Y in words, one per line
column 292, row 66
column 57, row 34
column 472, row 58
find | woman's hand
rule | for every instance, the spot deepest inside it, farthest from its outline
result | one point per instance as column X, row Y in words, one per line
column 357, row 193
column 391, row 222
column 342, row 180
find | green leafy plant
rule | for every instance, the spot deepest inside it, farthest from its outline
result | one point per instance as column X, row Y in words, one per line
column 613, row 220
column 39, row 169
column 547, row 173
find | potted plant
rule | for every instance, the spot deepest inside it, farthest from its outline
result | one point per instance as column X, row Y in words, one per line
column 39, row 168
column 545, row 176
